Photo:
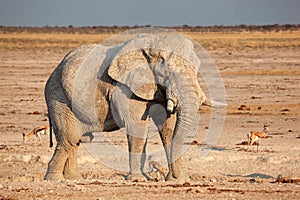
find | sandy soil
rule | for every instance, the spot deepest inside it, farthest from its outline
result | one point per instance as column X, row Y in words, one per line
column 265, row 80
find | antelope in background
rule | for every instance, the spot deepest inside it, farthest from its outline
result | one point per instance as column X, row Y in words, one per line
column 254, row 136
column 37, row 132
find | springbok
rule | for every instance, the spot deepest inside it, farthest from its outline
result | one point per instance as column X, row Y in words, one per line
column 254, row 136
column 37, row 132
column 160, row 171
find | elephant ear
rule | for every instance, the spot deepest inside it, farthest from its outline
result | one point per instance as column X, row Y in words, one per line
column 131, row 64
column 132, row 69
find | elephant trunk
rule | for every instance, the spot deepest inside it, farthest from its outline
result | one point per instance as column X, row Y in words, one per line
column 187, row 110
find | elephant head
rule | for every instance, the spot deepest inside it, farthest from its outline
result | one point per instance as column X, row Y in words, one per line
column 165, row 62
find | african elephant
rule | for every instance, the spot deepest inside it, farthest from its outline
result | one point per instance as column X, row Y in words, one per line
column 105, row 88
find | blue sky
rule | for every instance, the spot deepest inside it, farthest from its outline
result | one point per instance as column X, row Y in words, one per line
column 144, row 12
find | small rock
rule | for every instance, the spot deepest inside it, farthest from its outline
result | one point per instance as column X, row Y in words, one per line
column 195, row 142
column 42, row 159
column 186, row 184
column 285, row 110
column 213, row 180
column 252, row 180
column 244, row 107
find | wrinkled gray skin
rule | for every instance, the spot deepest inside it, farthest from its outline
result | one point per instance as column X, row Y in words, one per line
column 101, row 88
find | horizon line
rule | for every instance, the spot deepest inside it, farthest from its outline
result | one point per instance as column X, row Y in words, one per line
column 148, row 25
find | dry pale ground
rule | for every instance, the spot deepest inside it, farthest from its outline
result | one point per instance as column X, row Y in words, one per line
column 263, row 79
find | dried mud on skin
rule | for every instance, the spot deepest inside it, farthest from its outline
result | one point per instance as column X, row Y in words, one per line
column 262, row 86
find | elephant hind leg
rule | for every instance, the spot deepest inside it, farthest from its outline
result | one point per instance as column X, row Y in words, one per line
column 56, row 165
column 63, row 164
column 66, row 128
column 70, row 170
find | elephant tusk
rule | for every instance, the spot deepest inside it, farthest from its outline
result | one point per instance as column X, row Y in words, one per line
column 213, row 103
column 170, row 105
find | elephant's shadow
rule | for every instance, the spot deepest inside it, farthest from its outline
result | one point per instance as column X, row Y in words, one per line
column 124, row 176
column 89, row 137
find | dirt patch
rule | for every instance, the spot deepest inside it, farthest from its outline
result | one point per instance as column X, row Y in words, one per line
column 261, row 77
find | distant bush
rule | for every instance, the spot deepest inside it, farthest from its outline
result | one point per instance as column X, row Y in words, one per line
column 116, row 29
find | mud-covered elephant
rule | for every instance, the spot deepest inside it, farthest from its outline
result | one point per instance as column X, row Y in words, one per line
column 104, row 88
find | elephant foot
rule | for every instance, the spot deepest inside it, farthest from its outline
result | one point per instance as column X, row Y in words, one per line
column 53, row 177
column 169, row 177
column 136, row 177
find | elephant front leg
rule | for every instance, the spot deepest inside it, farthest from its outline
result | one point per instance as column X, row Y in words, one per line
column 133, row 115
column 137, row 158
column 166, row 134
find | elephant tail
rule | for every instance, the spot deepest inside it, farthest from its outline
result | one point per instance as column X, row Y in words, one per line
column 212, row 103
column 50, row 133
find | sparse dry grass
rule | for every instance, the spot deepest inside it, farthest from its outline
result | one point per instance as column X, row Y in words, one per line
column 23, row 41
column 209, row 40
column 262, row 72
column 242, row 40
